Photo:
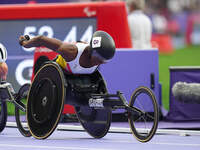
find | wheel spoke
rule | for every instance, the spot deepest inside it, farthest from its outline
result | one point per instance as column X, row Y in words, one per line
column 150, row 116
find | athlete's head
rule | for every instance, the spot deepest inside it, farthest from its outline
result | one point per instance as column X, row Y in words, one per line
column 102, row 46
column 3, row 53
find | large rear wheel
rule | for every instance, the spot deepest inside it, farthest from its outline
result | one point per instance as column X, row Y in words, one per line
column 45, row 100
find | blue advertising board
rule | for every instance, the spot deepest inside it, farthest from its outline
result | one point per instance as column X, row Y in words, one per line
column 130, row 69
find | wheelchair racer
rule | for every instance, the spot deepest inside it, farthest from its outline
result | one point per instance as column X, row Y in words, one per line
column 3, row 65
column 79, row 57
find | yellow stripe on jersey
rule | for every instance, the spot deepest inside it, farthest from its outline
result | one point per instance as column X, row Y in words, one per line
column 61, row 61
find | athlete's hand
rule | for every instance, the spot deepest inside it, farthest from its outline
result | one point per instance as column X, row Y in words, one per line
column 23, row 40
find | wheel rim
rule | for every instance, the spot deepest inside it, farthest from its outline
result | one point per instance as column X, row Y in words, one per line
column 21, row 119
column 143, row 125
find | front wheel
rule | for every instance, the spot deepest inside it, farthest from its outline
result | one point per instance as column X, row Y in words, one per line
column 3, row 115
column 20, row 115
column 144, row 120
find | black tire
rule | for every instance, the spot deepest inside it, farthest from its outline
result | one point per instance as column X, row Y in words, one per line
column 96, row 121
column 150, row 119
column 45, row 100
column 3, row 115
column 20, row 115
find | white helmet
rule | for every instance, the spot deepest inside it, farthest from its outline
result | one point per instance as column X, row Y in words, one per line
column 3, row 53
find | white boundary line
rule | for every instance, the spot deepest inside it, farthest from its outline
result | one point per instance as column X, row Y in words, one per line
column 121, row 129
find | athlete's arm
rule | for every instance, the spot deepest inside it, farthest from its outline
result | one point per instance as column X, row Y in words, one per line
column 67, row 50
column 3, row 70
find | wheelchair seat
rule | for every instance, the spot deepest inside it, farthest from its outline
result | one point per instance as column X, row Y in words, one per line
column 82, row 84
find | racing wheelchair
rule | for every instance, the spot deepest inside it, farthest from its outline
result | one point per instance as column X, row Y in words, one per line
column 19, row 99
column 51, row 88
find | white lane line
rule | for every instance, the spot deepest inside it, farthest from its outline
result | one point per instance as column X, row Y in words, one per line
column 176, row 144
column 50, row 147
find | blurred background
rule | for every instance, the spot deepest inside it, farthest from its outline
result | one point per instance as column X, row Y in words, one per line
column 179, row 18
column 176, row 30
